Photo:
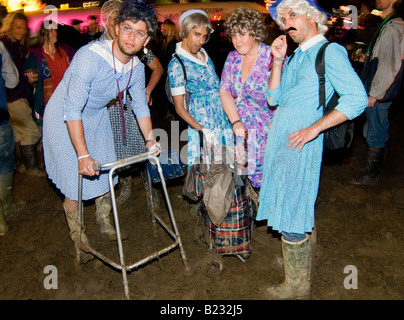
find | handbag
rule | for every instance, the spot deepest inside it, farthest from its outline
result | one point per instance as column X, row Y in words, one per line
column 170, row 165
column 218, row 188
column 193, row 183
column 194, row 178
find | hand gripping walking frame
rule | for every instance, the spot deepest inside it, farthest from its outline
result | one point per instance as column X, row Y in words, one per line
column 173, row 232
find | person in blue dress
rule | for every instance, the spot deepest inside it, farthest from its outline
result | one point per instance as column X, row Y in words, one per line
column 205, row 109
column 77, row 129
column 294, row 148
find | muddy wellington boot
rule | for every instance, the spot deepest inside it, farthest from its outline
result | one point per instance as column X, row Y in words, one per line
column 3, row 223
column 373, row 166
column 74, row 226
column 126, row 190
column 6, row 195
column 297, row 266
column 30, row 158
column 19, row 162
column 102, row 215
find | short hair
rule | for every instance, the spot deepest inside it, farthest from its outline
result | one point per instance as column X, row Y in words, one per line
column 302, row 7
column 249, row 20
column 135, row 11
column 195, row 20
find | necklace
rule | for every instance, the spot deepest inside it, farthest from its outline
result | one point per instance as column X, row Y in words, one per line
column 122, row 94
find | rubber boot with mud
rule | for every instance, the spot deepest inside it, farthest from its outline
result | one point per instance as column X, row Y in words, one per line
column 18, row 159
column 6, row 195
column 126, row 190
column 297, row 265
column 74, row 226
column 373, row 166
column 102, row 215
column 30, row 158
column 3, row 223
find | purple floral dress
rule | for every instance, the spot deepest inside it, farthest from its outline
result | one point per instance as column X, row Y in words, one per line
column 252, row 105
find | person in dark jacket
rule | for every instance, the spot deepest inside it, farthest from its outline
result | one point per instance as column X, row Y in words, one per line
column 13, row 35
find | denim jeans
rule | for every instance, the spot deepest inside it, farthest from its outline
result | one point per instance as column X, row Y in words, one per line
column 376, row 127
column 293, row 237
column 6, row 149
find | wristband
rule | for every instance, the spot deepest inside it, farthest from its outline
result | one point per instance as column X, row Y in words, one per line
column 200, row 126
column 237, row 121
column 83, row 156
column 279, row 59
column 148, row 94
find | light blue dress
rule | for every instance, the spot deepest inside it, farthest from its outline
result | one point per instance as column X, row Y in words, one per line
column 87, row 86
column 291, row 179
column 205, row 105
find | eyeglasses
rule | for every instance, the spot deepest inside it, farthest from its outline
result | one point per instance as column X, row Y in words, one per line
column 127, row 31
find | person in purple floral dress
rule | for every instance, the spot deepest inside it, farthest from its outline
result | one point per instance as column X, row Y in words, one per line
column 244, row 84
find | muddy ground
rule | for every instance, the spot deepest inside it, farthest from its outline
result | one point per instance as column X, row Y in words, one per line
column 359, row 226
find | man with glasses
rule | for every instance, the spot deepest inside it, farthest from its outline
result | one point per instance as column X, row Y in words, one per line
column 77, row 129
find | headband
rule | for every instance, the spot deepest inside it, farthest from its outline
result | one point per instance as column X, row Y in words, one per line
column 189, row 12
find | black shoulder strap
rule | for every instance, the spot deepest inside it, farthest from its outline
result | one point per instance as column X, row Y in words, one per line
column 320, row 69
column 182, row 65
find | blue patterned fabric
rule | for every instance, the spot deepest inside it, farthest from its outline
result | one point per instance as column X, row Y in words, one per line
column 291, row 178
column 205, row 105
column 88, row 85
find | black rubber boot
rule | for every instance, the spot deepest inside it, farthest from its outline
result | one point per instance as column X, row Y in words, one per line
column 18, row 159
column 30, row 158
column 373, row 166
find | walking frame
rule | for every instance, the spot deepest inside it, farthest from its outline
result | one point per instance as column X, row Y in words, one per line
column 173, row 232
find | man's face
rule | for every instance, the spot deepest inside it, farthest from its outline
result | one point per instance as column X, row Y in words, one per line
column 128, row 42
column 196, row 38
column 92, row 26
column 18, row 29
column 305, row 28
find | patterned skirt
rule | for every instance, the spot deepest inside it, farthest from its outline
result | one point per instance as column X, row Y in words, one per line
column 234, row 235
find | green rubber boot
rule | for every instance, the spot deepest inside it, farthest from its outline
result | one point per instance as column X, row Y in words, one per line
column 102, row 215
column 3, row 223
column 297, row 266
column 7, row 195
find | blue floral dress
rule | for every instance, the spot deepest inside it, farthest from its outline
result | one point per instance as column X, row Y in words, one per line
column 205, row 105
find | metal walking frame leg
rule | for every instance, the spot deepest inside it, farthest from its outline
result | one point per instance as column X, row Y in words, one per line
column 174, row 233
